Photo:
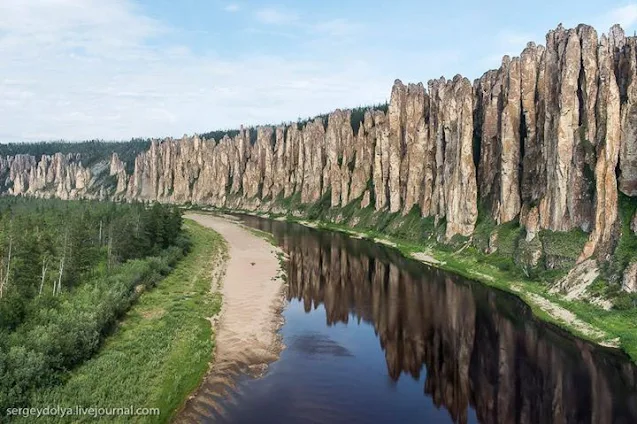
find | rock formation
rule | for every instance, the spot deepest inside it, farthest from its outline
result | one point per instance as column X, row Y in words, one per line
column 549, row 139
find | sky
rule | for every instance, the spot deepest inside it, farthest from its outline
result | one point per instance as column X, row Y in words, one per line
column 118, row 69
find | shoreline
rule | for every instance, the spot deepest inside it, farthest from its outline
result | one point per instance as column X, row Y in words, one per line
column 246, row 330
column 548, row 307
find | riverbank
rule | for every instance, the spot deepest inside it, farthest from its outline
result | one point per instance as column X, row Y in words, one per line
column 246, row 334
column 610, row 328
column 161, row 348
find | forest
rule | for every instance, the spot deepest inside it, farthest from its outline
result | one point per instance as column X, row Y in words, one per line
column 68, row 271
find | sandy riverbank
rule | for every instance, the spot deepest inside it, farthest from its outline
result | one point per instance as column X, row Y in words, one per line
column 246, row 332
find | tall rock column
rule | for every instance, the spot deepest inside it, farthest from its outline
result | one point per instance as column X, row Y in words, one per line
column 488, row 91
column 313, row 160
column 562, row 114
column 459, row 169
column 364, row 157
column 396, row 118
column 436, row 205
column 280, row 163
column 498, row 114
column 338, row 139
column 567, row 202
column 628, row 153
column 118, row 170
column 608, row 145
column 293, row 168
column 416, row 135
column 381, row 160
column 239, row 150
column 508, row 205
column 533, row 176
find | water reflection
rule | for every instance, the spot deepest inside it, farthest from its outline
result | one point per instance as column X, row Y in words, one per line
column 478, row 347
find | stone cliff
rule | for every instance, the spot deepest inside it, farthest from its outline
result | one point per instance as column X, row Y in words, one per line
column 549, row 139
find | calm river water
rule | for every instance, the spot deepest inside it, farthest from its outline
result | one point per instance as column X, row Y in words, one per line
column 372, row 337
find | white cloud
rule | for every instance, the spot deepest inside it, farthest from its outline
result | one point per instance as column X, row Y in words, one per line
column 82, row 69
column 232, row 7
column 273, row 16
column 625, row 15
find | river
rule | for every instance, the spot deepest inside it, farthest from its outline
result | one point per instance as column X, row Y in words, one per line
column 373, row 337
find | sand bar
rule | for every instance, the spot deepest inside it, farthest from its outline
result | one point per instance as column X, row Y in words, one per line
column 246, row 332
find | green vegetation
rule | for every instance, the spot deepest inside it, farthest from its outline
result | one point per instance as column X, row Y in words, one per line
column 563, row 248
column 165, row 342
column 358, row 114
column 69, row 270
column 90, row 152
column 219, row 134
column 627, row 243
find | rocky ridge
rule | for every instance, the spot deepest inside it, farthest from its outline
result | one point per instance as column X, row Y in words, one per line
column 548, row 139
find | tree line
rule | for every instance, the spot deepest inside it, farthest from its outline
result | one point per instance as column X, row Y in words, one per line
column 67, row 271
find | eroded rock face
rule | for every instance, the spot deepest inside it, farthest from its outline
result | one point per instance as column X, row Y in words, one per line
column 608, row 146
column 363, row 159
column 459, row 175
column 339, row 144
column 539, row 139
column 499, row 109
column 57, row 175
column 629, row 282
column 118, row 169
column 627, row 70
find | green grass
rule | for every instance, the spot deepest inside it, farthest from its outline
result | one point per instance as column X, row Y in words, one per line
column 627, row 244
column 565, row 245
column 161, row 349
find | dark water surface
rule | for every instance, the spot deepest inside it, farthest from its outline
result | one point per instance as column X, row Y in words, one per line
column 372, row 337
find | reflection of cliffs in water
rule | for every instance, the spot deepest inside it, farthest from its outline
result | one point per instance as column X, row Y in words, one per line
column 480, row 347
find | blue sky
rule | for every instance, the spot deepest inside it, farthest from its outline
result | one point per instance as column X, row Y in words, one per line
column 81, row 69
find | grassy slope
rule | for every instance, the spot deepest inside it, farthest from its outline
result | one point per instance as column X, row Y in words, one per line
column 162, row 348
column 412, row 234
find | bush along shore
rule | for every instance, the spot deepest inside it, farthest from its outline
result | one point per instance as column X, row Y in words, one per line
column 159, row 351
column 496, row 255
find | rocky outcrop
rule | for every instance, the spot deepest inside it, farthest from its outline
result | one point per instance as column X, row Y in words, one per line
column 607, row 148
column 629, row 280
column 549, row 138
column 363, row 162
column 118, row 170
column 57, row 175
column 575, row 283
column 458, row 184
column 627, row 70
column 500, row 111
